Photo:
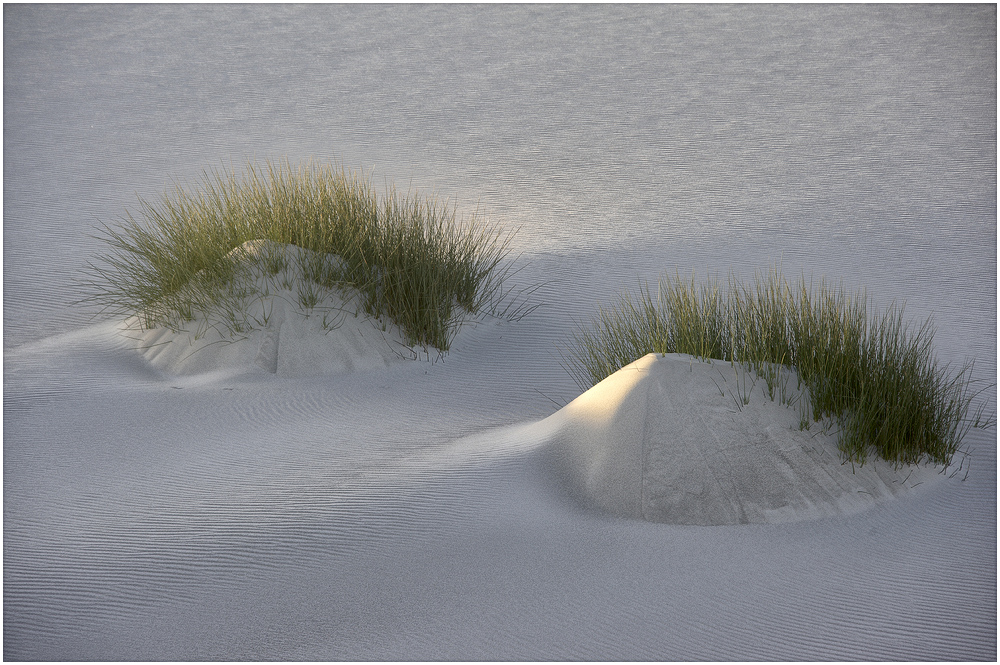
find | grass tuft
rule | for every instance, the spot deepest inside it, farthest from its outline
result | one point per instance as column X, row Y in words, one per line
column 866, row 371
column 408, row 257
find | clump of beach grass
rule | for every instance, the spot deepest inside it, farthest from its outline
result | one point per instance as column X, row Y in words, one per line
column 408, row 257
column 867, row 372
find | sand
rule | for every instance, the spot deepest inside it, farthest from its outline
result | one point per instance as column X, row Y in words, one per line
column 667, row 439
column 445, row 510
column 270, row 328
column 677, row 440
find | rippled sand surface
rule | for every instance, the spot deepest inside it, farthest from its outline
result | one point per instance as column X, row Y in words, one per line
column 414, row 511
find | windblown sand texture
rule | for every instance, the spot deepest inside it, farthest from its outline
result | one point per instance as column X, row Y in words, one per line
column 259, row 515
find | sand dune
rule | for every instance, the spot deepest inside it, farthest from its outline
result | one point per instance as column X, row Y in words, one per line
column 666, row 439
column 670, row 439
column 277, row 333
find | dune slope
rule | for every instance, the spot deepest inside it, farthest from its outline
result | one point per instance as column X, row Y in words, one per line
column 677, row 440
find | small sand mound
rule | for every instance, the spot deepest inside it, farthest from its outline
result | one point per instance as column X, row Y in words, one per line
column 277, row 333
column 668, row 439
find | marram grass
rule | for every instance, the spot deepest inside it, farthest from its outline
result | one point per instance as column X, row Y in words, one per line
column 866, row 371
column 408, row 257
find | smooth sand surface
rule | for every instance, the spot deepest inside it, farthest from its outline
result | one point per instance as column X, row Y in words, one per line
column 446, row 510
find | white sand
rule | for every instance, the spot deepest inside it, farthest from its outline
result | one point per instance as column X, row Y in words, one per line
column 425, row 510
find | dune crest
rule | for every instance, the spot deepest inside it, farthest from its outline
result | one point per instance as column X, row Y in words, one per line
column 668, row 439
